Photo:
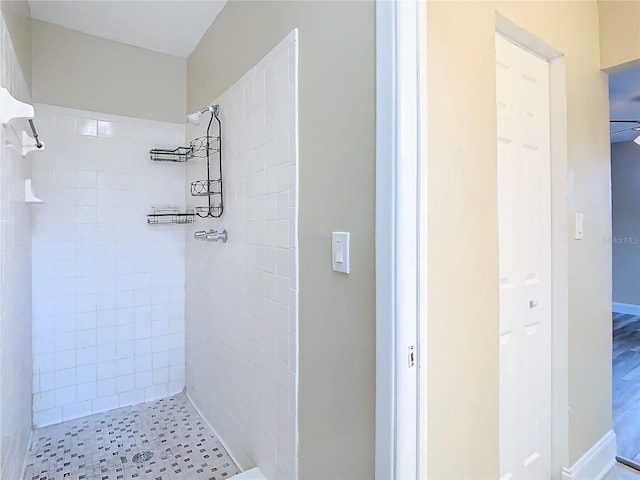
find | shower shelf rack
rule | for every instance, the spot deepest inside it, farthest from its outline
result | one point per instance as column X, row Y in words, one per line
column 163, row 216
column 197, row 148
column 179, row 154
column 199, row 188
column 211, row 187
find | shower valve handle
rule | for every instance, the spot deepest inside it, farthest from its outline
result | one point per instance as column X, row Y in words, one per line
column 211, row 236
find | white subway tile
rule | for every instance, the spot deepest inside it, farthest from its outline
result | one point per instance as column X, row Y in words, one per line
column 76, row 410
column 86, row 373
column 106, row 370
column 86, row 179
column 143, row 363
column 126, row 316
column 43, row 401
column 65, row 359
column 106, row 129
column 86, row 391
column 65, row 179
column 155, row 392
column 47, row 417
column 125, row 383
column 86, row 356
column 160, row 359
column 46, row 381
column 64, row 341
column 87, row 126
column 65, row 396
column 125, row 365
column 106, row 387
column 132, row 397
column 105, row 403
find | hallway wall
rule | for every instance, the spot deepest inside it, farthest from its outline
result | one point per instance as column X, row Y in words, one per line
column 15, row 276
column 108, row 289
column 625, row 205
column 463, row 243
column 619, row 23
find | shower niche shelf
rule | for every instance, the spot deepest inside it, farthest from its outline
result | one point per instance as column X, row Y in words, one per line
column 170, row 215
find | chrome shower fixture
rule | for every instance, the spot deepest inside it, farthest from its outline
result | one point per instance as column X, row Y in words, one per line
column 211, row 236
column 194, row 118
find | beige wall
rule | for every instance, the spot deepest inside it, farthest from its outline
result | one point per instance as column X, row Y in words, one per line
column 463, row 253
column 625, row 178
column 619, row 33
column 17, row 18
column 337, row 165
column 75, row 70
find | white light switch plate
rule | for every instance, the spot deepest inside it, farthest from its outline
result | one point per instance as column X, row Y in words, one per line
column 340, row 252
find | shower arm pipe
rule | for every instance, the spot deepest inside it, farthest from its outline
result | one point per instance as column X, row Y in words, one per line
column 39, row 144
column 211, row 108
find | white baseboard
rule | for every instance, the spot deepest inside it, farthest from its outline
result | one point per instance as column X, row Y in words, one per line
column 628, row 308
column 596, row 462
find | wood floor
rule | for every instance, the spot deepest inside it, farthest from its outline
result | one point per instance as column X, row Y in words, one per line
column 626, row 385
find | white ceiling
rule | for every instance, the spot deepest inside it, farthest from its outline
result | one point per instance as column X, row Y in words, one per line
column 168, row 26
column 624, row 104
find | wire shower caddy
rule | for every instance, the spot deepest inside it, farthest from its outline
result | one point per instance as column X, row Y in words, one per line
column 210, row 147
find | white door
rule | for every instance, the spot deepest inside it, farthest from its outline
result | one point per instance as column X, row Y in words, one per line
column 524, row 222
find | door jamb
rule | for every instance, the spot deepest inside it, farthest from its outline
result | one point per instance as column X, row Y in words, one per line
column 401, row 237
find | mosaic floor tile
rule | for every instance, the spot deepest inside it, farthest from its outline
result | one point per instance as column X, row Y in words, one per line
column 162, row 440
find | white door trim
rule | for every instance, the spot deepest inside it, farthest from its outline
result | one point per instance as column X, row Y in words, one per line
column 401, row 234
column 559, row 239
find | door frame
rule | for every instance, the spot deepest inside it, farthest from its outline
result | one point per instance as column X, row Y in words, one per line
column 559, row 238
column 392, row 229
column 401, row 239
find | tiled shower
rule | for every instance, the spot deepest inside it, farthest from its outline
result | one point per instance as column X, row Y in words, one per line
column 108, row 289
column 109, row 311
column 251, row 279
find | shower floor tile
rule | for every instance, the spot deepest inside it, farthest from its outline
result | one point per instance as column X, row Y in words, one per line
column 161, row 440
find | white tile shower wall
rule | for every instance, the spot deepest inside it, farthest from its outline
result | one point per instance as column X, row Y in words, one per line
column 108, row 289
column 15, row 278
column 242, row 311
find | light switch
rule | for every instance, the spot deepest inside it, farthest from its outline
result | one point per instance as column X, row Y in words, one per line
column 579, row 226
column 340, row 251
